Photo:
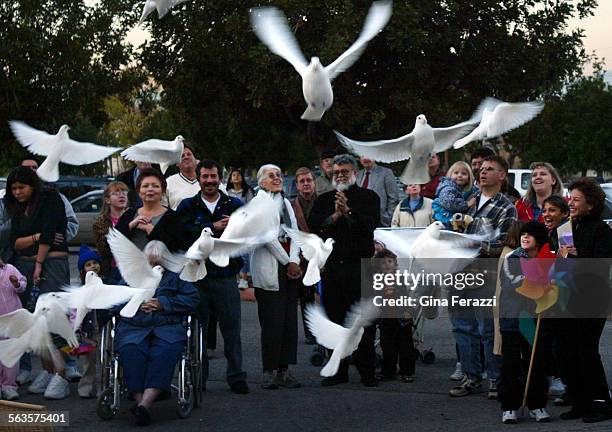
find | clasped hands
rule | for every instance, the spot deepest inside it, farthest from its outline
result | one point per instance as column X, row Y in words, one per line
column 341, row 207
column 142, row 223
column 151, row 306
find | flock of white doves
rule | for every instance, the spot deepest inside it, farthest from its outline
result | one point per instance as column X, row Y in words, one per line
column 258, row 222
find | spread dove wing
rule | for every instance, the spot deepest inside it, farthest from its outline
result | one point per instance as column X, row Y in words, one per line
column 270, row 25
column 94, row 294
column 314, row 250
column 249, row 226
column 496, row 118
column 164, row 153
column 30, row 332
column 58, row 148
column 135, row 269
column 343, row 340
column 162, row 7
column 418, row 146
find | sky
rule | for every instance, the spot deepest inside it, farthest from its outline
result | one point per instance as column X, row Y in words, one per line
column 597, row 31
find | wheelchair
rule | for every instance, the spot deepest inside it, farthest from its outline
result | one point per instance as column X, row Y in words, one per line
column 188, row 385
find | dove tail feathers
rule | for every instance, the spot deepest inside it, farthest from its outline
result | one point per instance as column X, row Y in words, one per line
column 163, row 166
column 312, row 275
column 332, row 366
column 130, row 309
column 313, row 114
column 219, row 259
column 415, row 173
column 48, row 171
column 193, row 271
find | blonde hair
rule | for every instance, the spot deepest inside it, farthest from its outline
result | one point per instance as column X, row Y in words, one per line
column 111, row 187
column 557, row 188
column 460, row 165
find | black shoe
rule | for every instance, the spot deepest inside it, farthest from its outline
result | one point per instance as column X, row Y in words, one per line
column 597, row 416
column 239, row 387
column 562, row 400
column 386, row 377
column 572, row 414
column 369, row 380
column 143, row 418
column 335, row 380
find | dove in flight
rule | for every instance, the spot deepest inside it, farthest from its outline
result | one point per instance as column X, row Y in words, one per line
column 58, row 148
column 270, row 25
column 253, row 224
column 342, row 340
column 314, row 249
column 94, row 294
column 161, row 6
column 434, row 248
column 30, row 332
column 418, row 146
column 495, row 118
column 135, row 269
column 164, row 153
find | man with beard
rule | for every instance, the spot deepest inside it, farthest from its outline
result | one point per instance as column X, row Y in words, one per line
column 219, row 289
column 349, row 214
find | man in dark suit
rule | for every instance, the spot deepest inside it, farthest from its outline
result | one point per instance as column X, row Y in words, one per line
column 349, row 214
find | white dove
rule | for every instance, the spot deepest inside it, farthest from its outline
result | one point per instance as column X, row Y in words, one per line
column 135, row 269
column 497, row 117
column 249, row 226
column 58, row 148
column 434, row 248
column 314, row 250
column 95, row 295
column 162, row 7
column 270, row 25
column 418, row 146
column 164, row 153
column 343, row 340
column 30, row 332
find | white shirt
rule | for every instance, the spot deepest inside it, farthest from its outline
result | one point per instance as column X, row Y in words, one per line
column 180, row 187
column 211, row 205
column 483, row 200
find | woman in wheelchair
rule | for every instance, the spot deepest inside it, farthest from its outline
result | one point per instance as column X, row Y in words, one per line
column 151, row 343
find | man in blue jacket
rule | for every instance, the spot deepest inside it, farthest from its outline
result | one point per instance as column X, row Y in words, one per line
column 211, row 208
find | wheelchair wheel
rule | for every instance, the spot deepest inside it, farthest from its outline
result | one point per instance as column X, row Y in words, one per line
column 104, row 405
column 197, row 385
column 185, row 406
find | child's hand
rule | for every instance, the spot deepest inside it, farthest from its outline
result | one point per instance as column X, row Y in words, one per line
column 13, row 279
column 471, row 202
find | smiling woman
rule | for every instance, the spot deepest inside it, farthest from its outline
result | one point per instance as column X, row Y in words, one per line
column 545, row 182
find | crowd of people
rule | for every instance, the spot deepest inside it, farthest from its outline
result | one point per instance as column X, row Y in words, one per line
column 346, row 203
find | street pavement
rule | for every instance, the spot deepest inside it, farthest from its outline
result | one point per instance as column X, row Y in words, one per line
column 393, row 406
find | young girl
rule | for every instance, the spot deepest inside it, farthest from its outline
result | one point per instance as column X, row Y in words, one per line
column 453, row 193
column 516, row 350
column 11, row 283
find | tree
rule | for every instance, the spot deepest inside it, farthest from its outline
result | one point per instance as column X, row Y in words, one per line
column 59, row 60
column 238, row 102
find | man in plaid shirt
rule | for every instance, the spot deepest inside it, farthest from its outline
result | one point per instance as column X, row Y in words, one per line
column 473, row 325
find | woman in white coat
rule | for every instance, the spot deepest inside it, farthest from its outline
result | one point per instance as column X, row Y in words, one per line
column 275, row 270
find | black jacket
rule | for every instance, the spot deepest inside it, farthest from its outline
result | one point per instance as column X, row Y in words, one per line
column 168, row 230
column 354, row 235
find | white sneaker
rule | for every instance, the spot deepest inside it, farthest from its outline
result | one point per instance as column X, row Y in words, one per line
column 72, row 373
column 540, row 415
column 509, row 417
column 243, row 284
column 458, row 375
column 40, row 383
column 10, row 394
column 556, row 387
column 24, row 377
column 58, row 388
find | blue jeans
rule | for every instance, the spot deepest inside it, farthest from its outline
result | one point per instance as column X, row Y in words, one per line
column 471, row 326
column 224, row 295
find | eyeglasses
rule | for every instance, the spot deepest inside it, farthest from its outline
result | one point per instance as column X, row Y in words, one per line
column 119, row 193
column 342, row 172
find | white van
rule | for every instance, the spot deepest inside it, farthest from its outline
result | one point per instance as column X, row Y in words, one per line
column 520, row 179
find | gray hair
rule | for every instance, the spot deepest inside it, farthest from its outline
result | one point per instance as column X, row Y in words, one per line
column 265, row 168
column 345, row 159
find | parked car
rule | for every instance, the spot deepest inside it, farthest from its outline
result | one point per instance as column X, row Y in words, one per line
column 74, row 187
column 520, row 179
column 607, row 213
column 87, row 208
